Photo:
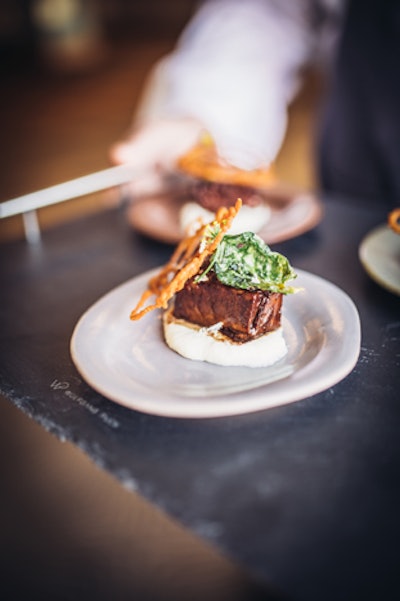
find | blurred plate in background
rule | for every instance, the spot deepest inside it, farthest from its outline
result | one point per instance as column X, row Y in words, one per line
column 379, row 254
column 292, row 214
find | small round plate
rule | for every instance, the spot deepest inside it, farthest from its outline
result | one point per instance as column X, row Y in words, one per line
column 379, row 253
column 129, row 362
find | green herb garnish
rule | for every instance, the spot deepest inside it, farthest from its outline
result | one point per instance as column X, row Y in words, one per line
column 245, row 261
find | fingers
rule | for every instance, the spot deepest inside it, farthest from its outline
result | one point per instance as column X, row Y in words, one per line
column 157, row 144
column 120, row 153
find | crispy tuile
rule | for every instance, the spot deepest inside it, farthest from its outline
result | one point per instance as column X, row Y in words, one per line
column 185, row 262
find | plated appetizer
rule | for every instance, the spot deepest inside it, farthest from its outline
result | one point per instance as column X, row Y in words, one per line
column 217, row 184
column 221, row 296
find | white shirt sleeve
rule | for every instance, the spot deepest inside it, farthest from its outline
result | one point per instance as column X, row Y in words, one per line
column 236, row 69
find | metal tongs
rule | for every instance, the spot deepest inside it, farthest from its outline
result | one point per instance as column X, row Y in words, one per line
column 28, row 204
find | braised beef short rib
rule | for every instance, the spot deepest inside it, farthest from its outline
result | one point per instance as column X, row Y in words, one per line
column 245, row 314
column 212, row 196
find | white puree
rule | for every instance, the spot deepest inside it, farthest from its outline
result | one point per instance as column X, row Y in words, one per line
column 200, row 345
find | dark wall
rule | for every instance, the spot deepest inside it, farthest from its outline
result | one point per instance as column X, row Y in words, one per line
column 25, row 25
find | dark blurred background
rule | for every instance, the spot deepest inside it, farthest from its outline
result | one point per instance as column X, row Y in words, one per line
column 63, row 33
column 71, row 74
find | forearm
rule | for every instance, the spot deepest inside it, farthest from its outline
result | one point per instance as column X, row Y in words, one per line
column 235, row 69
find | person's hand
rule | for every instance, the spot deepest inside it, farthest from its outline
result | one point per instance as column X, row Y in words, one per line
column 153, row 149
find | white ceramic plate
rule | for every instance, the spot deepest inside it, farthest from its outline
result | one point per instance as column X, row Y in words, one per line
column 379, row 253
column 292, row 214
column 129, row 363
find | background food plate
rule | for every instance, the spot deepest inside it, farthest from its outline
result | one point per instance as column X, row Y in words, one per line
column 292, row 214
column 379, row 253
column 129, row 362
